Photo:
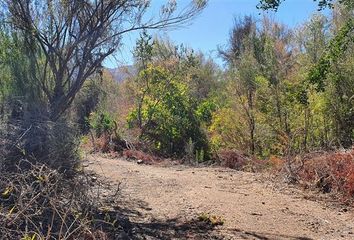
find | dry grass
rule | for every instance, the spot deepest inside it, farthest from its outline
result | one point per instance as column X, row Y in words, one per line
column 54, row 144
column 41, row 203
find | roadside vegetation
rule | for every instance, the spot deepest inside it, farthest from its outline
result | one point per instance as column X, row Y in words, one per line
column 283, row 101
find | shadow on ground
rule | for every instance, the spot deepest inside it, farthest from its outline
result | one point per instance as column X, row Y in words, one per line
column 137, row 225
column 265, row 236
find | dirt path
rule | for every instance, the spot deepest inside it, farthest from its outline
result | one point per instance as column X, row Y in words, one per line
column 166, row 201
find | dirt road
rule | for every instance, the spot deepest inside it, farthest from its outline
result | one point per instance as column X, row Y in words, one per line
column 165, row 202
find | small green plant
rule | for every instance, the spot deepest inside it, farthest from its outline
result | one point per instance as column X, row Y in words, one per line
column 199, row 156
column 101, row 123
column 189, row 150
column 212, row 220
column 28, row 237
column 7, row 192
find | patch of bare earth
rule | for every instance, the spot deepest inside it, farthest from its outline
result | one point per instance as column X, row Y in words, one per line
column 164, row 202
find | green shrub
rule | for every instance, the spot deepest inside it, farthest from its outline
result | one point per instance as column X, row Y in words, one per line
column 101, row 123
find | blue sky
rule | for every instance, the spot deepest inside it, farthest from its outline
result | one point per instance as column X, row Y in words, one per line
column 211, row 28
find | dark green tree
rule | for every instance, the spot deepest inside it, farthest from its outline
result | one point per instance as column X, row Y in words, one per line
column 322, row 4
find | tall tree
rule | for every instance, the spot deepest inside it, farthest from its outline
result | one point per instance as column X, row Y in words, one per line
column 322, row 4
column 241, row 56
column 70, row 43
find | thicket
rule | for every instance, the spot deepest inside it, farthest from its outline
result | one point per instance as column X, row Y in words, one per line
column 283, row 93
column 274, row 96
column 47, row 62
column 26, row 130
column 171, row 93
column 277, row 106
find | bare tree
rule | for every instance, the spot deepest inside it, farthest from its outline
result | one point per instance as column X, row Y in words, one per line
column 69, row 39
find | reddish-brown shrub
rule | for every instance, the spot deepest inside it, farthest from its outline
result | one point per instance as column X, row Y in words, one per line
column 232, row 159
column 139, row 155
column 331, row 172
column 239, row 161
column 276, row 163
column 102, row 144
column 99, row 144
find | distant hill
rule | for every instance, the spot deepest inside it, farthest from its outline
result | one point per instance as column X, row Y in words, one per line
column 121, row 73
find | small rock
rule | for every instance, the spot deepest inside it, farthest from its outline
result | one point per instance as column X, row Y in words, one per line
column 140, row 161
column 93, row 179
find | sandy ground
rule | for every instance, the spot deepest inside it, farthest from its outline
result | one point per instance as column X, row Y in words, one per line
column 164, row 202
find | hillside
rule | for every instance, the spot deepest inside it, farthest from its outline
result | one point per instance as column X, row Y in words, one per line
column 121, row 73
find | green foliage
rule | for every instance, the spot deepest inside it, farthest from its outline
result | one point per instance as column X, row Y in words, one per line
column 172, row 97
column 335, row 50
column 167, row 114
column 228, row 130
column 143, row 49
column 5, row 78
column 332, row 76
column 87, row 102
column 205, row 111
column 18, row 72
column 283, row 91
column 199, row 156
column 276, row 107
column 322, row 4
column 101, row 122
